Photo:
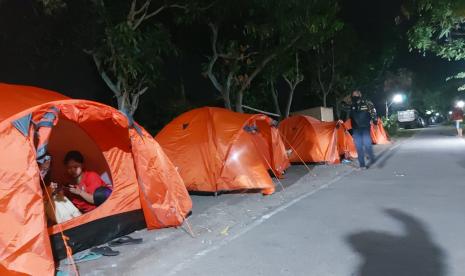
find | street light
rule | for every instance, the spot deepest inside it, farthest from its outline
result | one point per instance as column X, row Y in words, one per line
column 460, row 104
column 397, row 99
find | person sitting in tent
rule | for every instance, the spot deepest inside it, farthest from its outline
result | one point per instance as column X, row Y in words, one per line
column 58, row 207
column 87, row 190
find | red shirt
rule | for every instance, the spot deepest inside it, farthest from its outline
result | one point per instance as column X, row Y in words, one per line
column 457, row 114
column 90, row 181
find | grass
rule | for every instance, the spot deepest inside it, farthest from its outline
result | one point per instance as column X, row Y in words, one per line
column 405, row 133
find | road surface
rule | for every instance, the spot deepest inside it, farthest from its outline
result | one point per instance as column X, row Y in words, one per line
column 403, row 216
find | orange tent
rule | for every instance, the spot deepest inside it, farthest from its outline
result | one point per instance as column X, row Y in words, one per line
column 345, row 142
column 142, row 177
column 219, row 150
column 378, row 133
column 312, row 140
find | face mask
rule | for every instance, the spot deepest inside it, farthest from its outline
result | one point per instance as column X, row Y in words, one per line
column 355, row 98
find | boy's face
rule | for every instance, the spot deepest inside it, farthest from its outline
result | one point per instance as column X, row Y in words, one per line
column 74, row 168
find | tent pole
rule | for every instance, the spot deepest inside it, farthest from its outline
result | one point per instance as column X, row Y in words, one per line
column 269, row 165
column 261, row 111
column 303, row 162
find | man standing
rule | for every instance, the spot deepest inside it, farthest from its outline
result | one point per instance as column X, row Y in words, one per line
column 362, row 112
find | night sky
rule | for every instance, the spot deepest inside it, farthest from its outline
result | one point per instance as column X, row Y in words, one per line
column 374, row 22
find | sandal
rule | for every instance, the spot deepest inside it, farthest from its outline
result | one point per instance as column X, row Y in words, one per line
column 125, row 240
column 105, row 251
column 83, row 257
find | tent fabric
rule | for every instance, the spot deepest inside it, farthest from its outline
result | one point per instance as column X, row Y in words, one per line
column 378, row 133
column 311, row 140
column 345, row 142
column 216, row 149
column 143, row 177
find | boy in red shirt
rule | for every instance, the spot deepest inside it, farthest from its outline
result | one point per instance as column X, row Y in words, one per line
column 87, row 189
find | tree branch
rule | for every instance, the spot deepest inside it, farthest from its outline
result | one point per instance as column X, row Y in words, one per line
column 287, row 80
column 267, row 60
column 143, row 8
column 331, row 83
column 234, row 57
column 274, row 94
column 174, row 6
column 318, row 73
column 208, row 6
column 229, row 81
column 135, row 99
column 213, row 59
column 115, row 88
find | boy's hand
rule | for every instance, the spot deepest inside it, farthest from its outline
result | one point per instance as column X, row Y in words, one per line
column 74, row 190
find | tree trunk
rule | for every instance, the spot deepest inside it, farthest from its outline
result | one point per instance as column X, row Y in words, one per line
column 293, row 82
column 274, row 95
column 324, row 100
column 239, row 98
column 227, row 100
column 183, row 91
column 124, row 104
column 289, row 102
column 338, row 109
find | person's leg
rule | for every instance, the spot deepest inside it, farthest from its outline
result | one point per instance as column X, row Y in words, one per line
column 457, row 126
column 368, row 144
column 460, row 129
column 358, row 139
column 101, row 194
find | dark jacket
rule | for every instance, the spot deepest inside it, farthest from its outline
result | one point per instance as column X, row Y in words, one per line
column 361, row 113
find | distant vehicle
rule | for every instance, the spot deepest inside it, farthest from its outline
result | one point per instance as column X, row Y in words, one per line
column 410, row 119
column 434, row 119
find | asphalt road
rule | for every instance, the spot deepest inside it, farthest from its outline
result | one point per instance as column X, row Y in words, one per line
column 403, row 216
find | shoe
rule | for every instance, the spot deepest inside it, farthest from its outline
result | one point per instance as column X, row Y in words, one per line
column 105, row 251
column 124, row 241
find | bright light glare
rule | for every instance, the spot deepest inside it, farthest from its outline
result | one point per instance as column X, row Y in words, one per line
column 437, row 114
column 450, row 112
column 398, row 98
column 428, row 112
column 235, row 156
column 460, row 104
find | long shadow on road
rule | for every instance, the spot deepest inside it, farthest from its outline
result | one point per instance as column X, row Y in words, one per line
column 386, row 254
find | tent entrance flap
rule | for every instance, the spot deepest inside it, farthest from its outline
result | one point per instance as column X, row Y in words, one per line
column 68, row 135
